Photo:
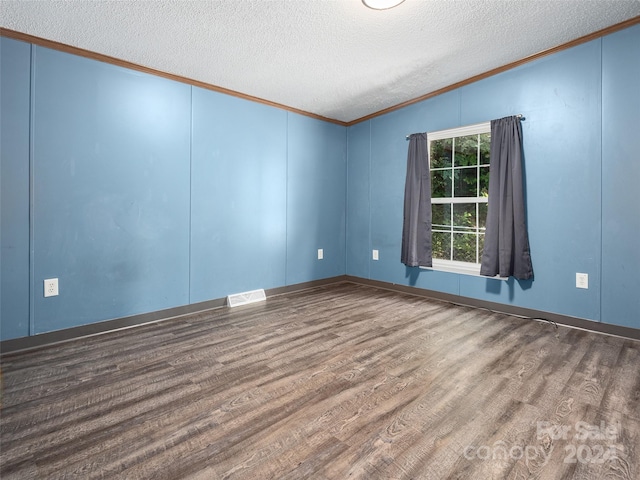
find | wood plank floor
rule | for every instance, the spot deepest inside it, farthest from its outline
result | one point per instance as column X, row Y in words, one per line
column 342, row 381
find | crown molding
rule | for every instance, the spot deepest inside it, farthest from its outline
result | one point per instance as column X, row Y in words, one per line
column 81, row 52
column 504, row 68
column 133, row 66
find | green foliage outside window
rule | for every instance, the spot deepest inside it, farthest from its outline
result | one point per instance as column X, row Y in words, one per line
column 459, row 169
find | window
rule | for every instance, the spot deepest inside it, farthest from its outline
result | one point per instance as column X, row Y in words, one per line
column 459, row 167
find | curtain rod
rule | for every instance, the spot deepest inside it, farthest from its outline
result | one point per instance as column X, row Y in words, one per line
column 519, row 115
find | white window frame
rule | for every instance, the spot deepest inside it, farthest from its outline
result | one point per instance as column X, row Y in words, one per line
column 453, row 266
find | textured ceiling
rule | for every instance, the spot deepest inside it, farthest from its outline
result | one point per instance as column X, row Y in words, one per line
column 334, row 58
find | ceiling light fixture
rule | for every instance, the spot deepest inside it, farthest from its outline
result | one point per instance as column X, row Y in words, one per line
column 382, row 4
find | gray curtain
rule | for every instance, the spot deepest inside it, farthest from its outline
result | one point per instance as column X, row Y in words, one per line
column 506, row 245
column 416, row 229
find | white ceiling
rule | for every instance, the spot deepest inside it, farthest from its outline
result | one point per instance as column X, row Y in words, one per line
column 334, row 58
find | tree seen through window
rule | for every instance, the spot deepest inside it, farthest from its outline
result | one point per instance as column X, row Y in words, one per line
column 459, row 167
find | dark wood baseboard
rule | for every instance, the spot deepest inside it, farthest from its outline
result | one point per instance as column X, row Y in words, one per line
column 58, row 336
column 576, row 322
column 67, row 334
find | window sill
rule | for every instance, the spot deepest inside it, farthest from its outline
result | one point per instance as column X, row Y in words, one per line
column 460, row 268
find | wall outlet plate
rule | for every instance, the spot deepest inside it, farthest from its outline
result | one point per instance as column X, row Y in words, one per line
column 320, row 254
column 375, row 255
column 51, row 287
column 582, row 280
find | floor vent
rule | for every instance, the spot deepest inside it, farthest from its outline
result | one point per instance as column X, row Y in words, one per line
column 244, row 298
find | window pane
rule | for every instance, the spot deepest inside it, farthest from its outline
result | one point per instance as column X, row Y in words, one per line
column 485, row 147
column 464, row 247
column 441, row 214
column 440, row 183
column 441, row 245
column 466, row 182
column 482, row 215
column 440, row 154
column 484, row 181
column 464, row 215
column 466, row 151
column 459, row 168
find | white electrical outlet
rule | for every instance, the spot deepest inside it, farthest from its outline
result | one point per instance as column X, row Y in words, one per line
column 51, row 287
column 582, row 280
column 375, row 255
column 320, row 254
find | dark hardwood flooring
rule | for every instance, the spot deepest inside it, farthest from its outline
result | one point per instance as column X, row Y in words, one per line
column 338, row 382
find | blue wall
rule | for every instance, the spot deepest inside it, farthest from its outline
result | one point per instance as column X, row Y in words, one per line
column 141, row 193
column 238, row 196
column 359, row 203
column 316, row 199
column 15, row 67
column 621, row 178
column 581, row 168
column 110, row 190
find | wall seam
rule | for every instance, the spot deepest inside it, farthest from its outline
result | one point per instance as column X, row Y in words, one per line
column 600, row 276
column 369, row 253
column 346, row 200
column 286, row 203
column 32, row 299
column 190, row 191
